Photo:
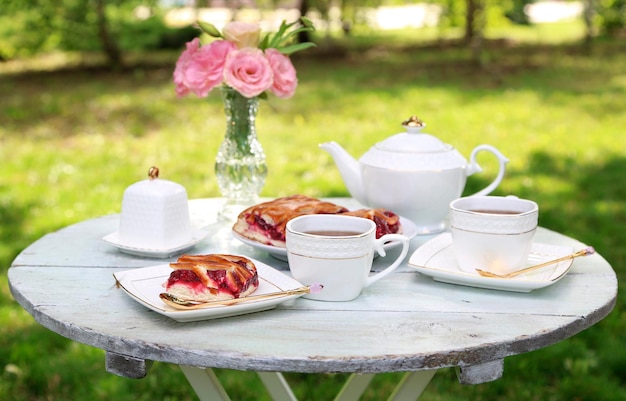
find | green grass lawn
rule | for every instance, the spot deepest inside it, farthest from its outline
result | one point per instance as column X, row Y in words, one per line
column 72, row 141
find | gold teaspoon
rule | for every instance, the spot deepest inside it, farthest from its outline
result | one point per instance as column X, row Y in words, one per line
column 582, row 252
column 184, row 304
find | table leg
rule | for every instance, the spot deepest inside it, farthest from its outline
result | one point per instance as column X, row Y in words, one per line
column 277, row 386
column 412, row 385
column 208, row 388
column 355, row 387
column 205, row 383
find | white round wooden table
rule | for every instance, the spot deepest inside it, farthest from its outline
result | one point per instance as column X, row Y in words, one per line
column 406, row 322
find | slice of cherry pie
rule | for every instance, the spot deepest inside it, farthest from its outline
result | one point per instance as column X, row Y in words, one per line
column 265, row 223
column 213, row 277
column 387, row 222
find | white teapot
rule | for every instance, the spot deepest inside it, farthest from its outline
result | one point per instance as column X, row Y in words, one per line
column 413, row 174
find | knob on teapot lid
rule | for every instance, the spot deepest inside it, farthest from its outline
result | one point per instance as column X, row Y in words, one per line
column 413, row 140
column 413, row 121
column 413, row 124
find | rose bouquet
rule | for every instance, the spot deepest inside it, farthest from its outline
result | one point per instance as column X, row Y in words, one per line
column 246, row 68
column 241, row 60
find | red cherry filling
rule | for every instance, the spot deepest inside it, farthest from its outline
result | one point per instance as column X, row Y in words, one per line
column 269, row 229
column 187, row 277
column 219, row 277
column 383, row 227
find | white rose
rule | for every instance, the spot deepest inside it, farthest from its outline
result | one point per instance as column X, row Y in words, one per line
column 242, row 34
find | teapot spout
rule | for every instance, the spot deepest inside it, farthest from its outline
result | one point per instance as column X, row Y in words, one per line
column 348, row 168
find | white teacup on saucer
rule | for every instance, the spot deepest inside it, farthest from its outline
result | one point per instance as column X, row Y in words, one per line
column 492, row 233
column 337, row 252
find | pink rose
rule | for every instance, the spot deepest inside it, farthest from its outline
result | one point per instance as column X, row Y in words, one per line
column 285, row 80
column 181, row 66
column 200, row 69
column 242, row 34
column 248, row 71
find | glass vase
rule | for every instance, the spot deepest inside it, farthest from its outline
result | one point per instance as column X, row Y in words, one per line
column 240, row 163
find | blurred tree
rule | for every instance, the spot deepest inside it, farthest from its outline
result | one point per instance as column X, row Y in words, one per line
column 112, row 26
column 475, row 22
column 474, row 19
column 351, row 14
column 517, row 13
column 612, row 15
column 588, row 16
column 304, row 36
column 41, row 25
column 109, row 45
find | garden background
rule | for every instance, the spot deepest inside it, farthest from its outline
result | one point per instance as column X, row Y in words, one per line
column 76, row 130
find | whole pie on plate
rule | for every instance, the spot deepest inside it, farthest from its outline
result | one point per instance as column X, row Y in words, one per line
column 213, row 277
column 265, row 222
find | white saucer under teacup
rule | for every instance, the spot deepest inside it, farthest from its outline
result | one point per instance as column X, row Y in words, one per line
column 436, row 259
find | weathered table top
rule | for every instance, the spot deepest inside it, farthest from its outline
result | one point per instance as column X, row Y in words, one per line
column 405, row 322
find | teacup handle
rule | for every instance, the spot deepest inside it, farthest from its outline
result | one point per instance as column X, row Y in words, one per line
column 473, row 167
column 378, row 247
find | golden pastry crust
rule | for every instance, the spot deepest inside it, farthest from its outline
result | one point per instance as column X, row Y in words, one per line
column 387, row 222
column 212, row 277
column 266, row 222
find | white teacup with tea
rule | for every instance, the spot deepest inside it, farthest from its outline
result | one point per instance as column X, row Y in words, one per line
column 337, row 252
column 492, row 233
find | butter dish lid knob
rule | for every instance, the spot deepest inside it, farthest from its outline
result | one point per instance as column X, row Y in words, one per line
column 153, row 173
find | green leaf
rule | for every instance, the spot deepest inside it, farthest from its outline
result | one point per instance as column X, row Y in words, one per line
column 297, row 31
column 264, row 42
column 210, row 29
column 307, row 23
column 277, row 39
column 296, row 47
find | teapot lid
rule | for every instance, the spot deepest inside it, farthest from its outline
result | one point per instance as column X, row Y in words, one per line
column 413, row 140
column 413, row 150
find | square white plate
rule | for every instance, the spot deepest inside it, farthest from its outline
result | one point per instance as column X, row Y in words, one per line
column 145, row 284
column 436, row 259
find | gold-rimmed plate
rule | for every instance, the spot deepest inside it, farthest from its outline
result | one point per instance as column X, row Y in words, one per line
column 145, row 285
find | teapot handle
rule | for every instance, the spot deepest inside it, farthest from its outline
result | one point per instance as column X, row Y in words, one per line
column 473, row 167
